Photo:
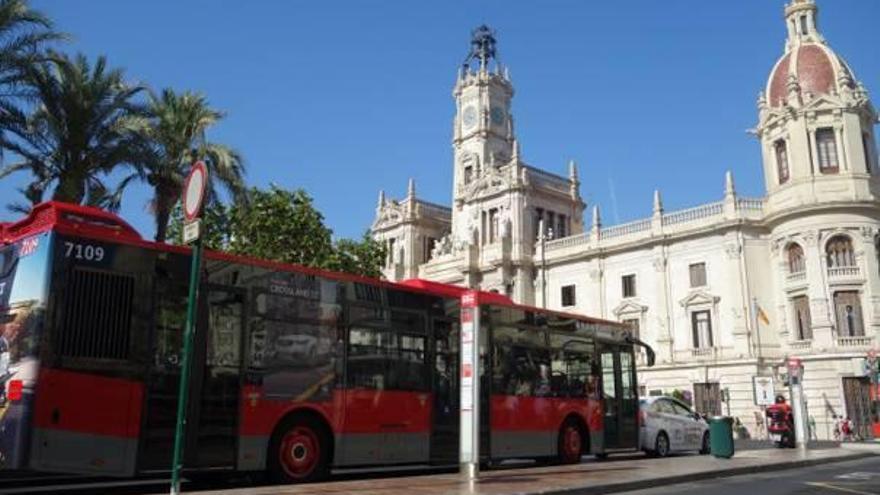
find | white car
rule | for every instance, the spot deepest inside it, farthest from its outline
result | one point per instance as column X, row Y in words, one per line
column 668, row 425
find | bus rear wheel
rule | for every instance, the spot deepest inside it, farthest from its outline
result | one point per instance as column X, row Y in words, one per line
column 299, row 452
column 570, row 443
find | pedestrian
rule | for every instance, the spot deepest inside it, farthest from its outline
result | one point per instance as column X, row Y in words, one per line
column 836, row 427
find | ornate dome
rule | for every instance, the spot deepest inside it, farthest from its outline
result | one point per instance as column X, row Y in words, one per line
column 817, row 70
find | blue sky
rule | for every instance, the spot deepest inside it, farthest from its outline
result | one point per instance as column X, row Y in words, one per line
column 346, row 98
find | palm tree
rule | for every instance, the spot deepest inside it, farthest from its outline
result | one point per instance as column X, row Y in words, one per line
column 23, row 34
column 175, row 135
column 83, row 128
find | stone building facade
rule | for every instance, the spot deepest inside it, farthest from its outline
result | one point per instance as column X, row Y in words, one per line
column 723, row 291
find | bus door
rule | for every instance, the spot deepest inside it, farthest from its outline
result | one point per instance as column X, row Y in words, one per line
column 619, row 397
column 445, row 422
column 216, row 379
column 387, row 391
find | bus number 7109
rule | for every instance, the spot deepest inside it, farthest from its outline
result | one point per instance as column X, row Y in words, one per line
column 83, row 251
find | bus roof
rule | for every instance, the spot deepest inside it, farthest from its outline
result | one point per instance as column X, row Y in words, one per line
column 450, row 290
column 83, row 220
column 92, row 222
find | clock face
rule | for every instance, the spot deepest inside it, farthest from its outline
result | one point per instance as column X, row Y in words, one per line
column 469, row 117
column 497, row 115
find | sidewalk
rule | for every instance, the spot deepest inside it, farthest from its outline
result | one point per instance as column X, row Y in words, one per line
column 618, row 473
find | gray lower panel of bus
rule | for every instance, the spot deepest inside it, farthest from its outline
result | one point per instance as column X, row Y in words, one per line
column 354, row 449
column 351, row 449
column 252, row 453
column 507, row 444
column 67, row 451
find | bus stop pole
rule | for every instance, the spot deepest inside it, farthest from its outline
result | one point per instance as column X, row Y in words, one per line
column 469, row 387
column 186, row 364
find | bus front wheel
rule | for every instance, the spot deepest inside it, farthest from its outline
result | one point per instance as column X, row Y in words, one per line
column 571, row 442
column 299, row 452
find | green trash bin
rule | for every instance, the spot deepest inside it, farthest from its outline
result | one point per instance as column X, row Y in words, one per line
column 721, row 437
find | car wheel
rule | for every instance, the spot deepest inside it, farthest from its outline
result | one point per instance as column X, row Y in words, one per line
column 299, row 452
column 704, row 449
column 570, row 443
column 661, row 445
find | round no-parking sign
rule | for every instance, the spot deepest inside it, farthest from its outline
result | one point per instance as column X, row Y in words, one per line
column 194, row 190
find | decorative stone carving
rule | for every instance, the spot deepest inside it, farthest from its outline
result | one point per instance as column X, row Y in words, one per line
column 489, row 181
column 659, row 263
column 389, row 214
column 733, row 250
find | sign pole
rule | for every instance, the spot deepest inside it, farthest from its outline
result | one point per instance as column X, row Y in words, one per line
column 469, row 445
column 193, row 196
column 186, row 364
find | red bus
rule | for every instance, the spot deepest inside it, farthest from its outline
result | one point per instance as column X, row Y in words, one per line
column 296, row 371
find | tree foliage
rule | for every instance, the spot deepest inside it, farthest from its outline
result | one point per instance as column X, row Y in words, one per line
column 215, row 225
column 174, row 137
column 281, row 225
column 80, row 131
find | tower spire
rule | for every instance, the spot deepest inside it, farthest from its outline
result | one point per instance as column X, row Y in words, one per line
column 411, row 189
column 801, row 23
column 658, row 203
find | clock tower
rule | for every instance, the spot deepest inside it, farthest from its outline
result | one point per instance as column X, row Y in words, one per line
column 483, row 137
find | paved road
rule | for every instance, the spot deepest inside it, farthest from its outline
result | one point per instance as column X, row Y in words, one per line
column 859, row 477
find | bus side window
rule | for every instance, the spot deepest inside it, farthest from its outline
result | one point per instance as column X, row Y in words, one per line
column 571, row 365
column 521, row 362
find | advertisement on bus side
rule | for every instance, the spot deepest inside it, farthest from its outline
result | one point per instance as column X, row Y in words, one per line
column 23, row 295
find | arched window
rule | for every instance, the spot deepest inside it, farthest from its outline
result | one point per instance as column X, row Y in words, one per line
column 796, row 262
column 840, row 252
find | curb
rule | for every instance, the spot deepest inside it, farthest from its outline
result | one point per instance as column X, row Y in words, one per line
column 704, row 475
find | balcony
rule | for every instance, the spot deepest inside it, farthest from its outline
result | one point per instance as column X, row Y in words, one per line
column 701, row 354
column 796, row 277
column 800, row 345
column 844, row 272
column 859, row 342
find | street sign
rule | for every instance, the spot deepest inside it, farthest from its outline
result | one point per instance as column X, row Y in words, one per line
column 194, row 190
column 765, row 394
column 191, row 231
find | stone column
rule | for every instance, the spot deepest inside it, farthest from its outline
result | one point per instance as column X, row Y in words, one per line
column 662, row 314
column 741, row 338
column 820, row 313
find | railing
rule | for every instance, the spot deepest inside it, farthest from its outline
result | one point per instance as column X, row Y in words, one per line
column 860, row 341
column 698, row 354
column 750, row 204
column 570, row 241
column 625, row 229
column 843, row 272
column 434, row 210
column 800, row 276
column 695, row 213
column 543, row 174
column 800, row 345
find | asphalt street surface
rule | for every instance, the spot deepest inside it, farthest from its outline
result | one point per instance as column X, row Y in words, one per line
column 859, row 477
